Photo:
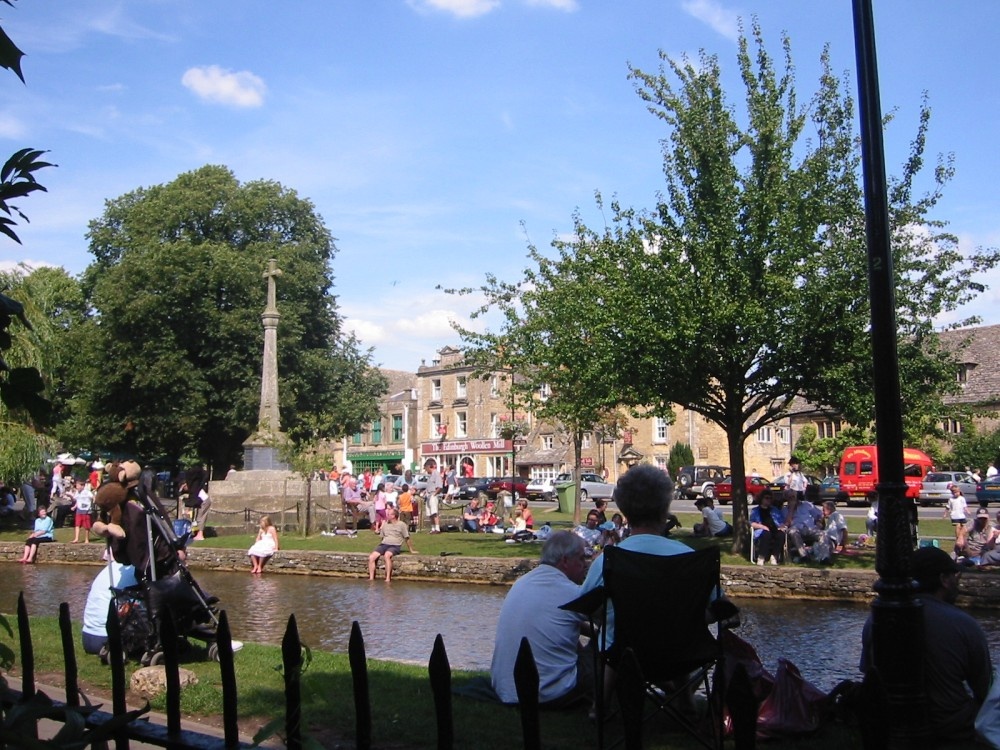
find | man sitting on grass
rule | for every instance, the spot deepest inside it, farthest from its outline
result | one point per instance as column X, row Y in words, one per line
column 531, row 610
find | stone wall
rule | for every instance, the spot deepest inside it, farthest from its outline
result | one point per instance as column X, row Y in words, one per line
column 979, row 588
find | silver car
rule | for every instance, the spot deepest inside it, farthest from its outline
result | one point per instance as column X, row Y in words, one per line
column 591, row 486
column 936, row 488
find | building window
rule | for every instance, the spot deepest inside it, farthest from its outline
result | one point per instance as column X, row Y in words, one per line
column 461, row 390
column 436, row 426
column 660, row 430
column 397, row 428
column 376, row 431
column 548, row 442
column 661, row 462
column 494, row 425
column 544, row 391
column 585, row 443
column 494, row 387
column 765, row 434
column 357, row 438
column 952, row 426
column 784, row 435
column 828, row 428
column 436, row 389
column 461, row 424
column 962, row 376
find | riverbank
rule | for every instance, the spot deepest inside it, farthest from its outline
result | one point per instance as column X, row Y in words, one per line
column 979, row 588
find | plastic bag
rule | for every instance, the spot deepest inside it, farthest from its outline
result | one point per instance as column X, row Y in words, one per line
column 988, row 718
column 794, row 706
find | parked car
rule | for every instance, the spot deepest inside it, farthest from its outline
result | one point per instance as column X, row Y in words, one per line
column 755, row 485
column 829, row 487
column 592, row 487
column 541, row 489
column 470, row 487
column 700, row 480
column 936, row 488
column 988, row 490
column 777, row 484
column 517, row 486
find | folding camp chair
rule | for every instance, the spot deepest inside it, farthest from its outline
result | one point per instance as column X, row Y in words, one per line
column 663, row 647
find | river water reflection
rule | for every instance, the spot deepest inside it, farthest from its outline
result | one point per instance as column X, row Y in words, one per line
column 401, row 619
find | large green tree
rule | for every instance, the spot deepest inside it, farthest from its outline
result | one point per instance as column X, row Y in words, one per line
column 745, row 286
column 177, row 290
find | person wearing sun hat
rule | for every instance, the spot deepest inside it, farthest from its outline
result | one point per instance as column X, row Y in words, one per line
column 957, row 667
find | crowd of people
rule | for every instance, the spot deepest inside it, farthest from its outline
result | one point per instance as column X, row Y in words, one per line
column 64, row 496
column 789, row 529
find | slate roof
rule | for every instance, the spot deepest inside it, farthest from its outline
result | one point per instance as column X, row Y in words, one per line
column 400, row 383
column 982, row 359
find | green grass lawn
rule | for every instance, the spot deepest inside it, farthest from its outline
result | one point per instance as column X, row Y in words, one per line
column 492, row 545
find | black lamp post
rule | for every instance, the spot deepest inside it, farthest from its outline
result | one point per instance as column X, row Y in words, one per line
column 897, row 618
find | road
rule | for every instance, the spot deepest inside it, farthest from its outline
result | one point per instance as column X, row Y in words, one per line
column 687, row 506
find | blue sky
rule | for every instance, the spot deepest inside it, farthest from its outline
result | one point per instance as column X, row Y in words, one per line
column 436, row 137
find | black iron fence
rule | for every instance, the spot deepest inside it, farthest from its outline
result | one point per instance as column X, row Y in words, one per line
column 25, row 710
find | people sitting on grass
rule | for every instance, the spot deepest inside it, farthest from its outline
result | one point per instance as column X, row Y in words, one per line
column 529, row 522
column 589, row 531
column 472, row 516
column 802, row 522
column 489, row 521
column 713, row 524
column 834, row 527
column 767, row 524
column 531, row 610
column 979, row 541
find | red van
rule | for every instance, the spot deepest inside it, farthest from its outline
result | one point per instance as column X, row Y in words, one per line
column 859, row 471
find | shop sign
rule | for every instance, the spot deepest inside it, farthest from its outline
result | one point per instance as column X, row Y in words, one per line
column 494, row 445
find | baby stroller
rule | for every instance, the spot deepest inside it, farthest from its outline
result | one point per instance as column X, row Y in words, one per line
column 166, row 587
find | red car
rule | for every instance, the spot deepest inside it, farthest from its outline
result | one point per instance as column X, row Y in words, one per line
column 755, row 485
column 516, row 485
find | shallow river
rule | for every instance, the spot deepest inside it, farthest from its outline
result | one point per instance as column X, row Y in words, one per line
column 401, row 619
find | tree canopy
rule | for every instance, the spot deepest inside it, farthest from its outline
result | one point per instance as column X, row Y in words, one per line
column 175, row 339
column 745, row 285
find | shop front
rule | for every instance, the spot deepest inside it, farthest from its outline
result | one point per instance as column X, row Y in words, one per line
column 385, row 460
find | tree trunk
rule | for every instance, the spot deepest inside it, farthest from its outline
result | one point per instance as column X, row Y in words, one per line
column 738, row 470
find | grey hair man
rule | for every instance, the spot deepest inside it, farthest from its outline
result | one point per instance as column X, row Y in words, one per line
column 531, row 610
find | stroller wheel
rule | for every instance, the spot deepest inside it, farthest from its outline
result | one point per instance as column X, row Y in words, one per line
column 104, row 654
column 213, row 652
column 156, row 659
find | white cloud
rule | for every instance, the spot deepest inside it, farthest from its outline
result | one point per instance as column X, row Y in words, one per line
column 11, row 127
column 217, row 85
column 24, row 266
column 567, row 5
column 459, row 8
column 710, row 12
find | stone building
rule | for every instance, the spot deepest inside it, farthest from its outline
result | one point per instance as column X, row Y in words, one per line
column 391, row 440
column 978, row 376
column 467, row 419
